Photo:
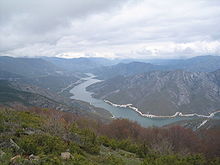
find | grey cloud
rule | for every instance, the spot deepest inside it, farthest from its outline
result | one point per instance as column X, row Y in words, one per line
column 91, row 27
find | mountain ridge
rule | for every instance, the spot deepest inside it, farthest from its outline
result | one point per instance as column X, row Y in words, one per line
column 163, row 92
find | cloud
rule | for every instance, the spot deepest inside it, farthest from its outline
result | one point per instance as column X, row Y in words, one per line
column 116, row 28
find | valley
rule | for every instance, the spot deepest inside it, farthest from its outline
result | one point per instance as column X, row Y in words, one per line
column 109, row 82
column 154, row 94
column 125, row 111
column 107, row 113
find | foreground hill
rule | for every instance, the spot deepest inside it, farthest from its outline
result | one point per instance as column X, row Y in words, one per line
column 164, row 92
column 43, row 136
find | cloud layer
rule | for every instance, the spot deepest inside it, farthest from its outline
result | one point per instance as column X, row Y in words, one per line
column 116, row 28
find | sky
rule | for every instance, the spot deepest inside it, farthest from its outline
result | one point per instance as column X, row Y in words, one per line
column 110, row 28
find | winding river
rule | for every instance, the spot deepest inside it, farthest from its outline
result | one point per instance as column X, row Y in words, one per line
column 80, row 93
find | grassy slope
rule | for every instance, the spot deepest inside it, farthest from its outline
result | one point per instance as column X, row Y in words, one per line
column 47, row 134
column 25, row 127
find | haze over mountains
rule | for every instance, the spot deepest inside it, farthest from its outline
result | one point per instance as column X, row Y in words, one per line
column 196, row 64
column 161, row 87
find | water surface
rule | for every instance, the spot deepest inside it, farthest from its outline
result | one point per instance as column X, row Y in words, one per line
column 80, row 93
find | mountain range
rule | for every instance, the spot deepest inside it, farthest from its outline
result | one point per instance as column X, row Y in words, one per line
column 160, row 87
column 129, row 67
column 164, row 92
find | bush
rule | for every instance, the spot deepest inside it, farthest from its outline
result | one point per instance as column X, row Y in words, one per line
column 113, row 160
column 79, row 160
column 74, row 148
column 41, row 144
column 88, row 139
column 5, row 158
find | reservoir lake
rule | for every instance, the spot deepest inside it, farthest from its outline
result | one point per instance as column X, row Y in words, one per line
column 79, row 92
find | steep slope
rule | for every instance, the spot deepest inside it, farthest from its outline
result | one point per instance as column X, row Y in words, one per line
column 164, row 92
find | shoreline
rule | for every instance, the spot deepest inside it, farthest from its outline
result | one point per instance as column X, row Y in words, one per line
column 180, row 114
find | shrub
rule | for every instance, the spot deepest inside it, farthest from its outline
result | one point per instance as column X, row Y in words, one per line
column 41, row 144
column 113, row 160
column 88, row 138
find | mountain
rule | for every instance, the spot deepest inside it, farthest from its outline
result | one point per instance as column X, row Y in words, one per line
column 126, row 69
column 207, row 63
column 134, row 66
column 37, row 72
column 164, row 92
column 10, row 96
column 53, row 83
column 5, row 75
column 29, row 67
column 80, row 64
column 13, row 94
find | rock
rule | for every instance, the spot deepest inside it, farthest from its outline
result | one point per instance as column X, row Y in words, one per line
column 33, row 157
column 65, row 155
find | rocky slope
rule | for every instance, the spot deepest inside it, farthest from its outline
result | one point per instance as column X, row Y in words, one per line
column 164, row 92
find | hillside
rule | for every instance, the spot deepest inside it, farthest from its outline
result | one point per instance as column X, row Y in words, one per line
column 43, row 136
column 164, row 92
column 13, row 95
column 28, row 67
column 5, row 75
column 10, row 96
column 198, row 124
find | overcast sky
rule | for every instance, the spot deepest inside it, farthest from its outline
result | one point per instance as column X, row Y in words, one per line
column 110, row 28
